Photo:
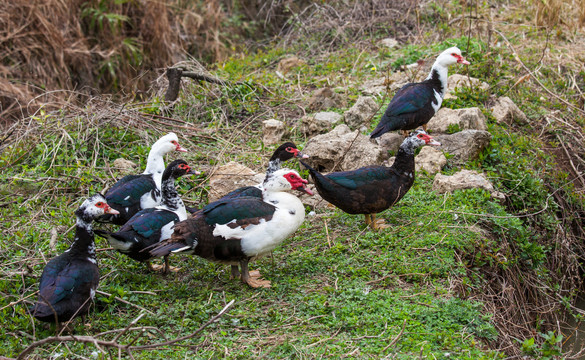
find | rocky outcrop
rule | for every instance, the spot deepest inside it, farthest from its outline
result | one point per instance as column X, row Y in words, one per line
column 288, row 63
column 429, row 160
column 464, row 179
column 272, row 131
column 325, row 98
column 377, row 87
column 449, row 120
column 230, row 177
column 320, row 122
column 328, row 149
column 390, row 43
column 506, row 111
column 464, row 145
column 390, row 141
column 457, row 80
column 123, row 165
column 364, row 109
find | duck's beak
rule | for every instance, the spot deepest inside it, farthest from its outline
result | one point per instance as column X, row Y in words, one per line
column 300, row 155
column 194, row 172
column 180, row 148
column 461, row 60
column 305, row 189
column 109, row 210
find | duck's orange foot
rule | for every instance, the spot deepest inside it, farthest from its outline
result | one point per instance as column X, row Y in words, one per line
column 258, row 283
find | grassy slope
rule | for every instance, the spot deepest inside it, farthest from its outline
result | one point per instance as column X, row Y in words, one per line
column 338, row 289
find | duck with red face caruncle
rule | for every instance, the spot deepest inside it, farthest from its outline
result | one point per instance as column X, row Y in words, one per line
column 372, row 189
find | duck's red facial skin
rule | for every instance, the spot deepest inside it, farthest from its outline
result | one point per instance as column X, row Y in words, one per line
column 296, row 153
column 107, row 208
column 297, row 182
column 428, row 139
column 178, row 147
column 460, row 59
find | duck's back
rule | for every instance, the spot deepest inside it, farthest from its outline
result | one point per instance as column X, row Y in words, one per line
column 366, row 190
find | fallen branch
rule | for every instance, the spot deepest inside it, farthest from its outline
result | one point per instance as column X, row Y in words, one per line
column 114, row 344
column 174, row 76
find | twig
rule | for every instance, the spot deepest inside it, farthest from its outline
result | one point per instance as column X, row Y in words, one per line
column 113, row 344
column 125, row 301
column 397, row 336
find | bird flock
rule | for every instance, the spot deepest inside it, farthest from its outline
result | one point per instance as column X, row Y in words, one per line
column 246, row 223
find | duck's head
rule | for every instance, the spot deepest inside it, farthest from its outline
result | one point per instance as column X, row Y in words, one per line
column 285, row 180
column 166, row 144
column 178, row 168
column 94, row 207
column 287, row 151
column 417, row 139
column 451, row 56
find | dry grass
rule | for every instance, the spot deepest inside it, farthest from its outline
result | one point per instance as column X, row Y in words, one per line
column 570, row 13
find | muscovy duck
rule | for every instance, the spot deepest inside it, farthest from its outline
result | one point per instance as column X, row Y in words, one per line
column 150, row 226
column 69, row 281
column 133, row 193
column 372, row 189
column 416, row 103
column 237, row 230
column 284, row 152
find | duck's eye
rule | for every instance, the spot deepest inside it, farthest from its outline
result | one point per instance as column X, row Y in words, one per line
column 453, row 54
column 174, row 142
column 420, row 136
column 99, row 204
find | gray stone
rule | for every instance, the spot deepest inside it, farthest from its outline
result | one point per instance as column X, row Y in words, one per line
column 328, row 149
column 363, row 110
column 288, row 63
column 464, row 145
column 464, row 179
column 314, row 201
column 229, row 177
column 457, row 80
column 377, row 87
column 123, row 165
column 389, row 42
column 272, row 131
column 430, row 160
column 390, row 141
column 506, row 111
column 320, row 122
column 325, row 98
column 460, row 119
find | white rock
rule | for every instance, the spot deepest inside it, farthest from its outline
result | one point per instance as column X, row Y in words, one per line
column 429, row 160
column 464, row 145
column 325, row 98
column 505, row 110
column 388, row 42
column 272, row 131
column 463, row 119
column 364, row 109
column 328, row 149
column 464, row 179
column 320, row 122
column 229, row 177
column 123, row 164
column 457, row 80
column 390, row 141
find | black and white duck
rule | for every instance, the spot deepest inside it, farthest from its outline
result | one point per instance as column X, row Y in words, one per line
column 150, row 226
column 69, row 281
column 372, row 189
column 416, row 103
column 238, row 230
column 133, row 193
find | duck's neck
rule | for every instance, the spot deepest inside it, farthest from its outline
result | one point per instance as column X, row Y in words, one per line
column 83, row 244
column 155, row 163
column 171, row 199
column 438, row 78
column 273, row 165
column 404, row 158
